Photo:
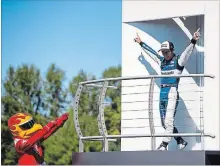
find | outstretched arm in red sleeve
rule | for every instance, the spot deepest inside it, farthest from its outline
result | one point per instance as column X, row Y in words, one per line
column 59, row 123
column 41, row 135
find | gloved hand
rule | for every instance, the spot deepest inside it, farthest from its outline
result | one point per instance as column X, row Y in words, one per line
column 138, row 39
column 61, row 120
column 196, row 35
column 50, row 125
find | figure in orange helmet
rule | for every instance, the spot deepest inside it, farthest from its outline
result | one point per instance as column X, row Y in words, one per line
column 29, row 135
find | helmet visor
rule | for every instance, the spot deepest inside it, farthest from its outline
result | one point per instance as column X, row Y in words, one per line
column 27, row 125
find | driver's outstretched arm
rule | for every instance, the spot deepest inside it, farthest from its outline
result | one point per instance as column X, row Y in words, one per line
column 157, row 58
column 187, row 53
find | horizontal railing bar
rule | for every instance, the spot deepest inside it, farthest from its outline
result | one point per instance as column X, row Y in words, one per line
column 137, row 93
column 100, row 86
column 149, row 135
column 157, row 109
column 145, row 77
column 141, row 101
column 127, row 86
column 178, row 126
column 101, row 139
column 183, row 117
column 146, row 101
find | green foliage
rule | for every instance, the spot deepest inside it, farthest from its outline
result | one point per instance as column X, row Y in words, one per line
column 56, row 95
column 23, row 87
column 59, row 147
column 46, row 98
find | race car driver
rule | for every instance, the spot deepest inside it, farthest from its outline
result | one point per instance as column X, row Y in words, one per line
column 170, row 64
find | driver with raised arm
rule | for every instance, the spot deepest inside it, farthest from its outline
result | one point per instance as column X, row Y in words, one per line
column 170, row 64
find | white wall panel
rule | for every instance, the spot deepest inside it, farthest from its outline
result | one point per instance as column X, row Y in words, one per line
column 205, row 59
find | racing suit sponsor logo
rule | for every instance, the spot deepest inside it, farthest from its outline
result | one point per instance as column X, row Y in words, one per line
column 167, row 73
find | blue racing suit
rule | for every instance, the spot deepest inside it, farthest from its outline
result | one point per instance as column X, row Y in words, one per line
column 169, row 94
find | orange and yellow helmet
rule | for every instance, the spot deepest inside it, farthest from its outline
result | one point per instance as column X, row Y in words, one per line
column 22, row 125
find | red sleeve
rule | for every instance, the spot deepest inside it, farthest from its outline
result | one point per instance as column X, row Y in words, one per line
column 59, row 123
column 41, row 135
column 25, row 144
column 53, row 130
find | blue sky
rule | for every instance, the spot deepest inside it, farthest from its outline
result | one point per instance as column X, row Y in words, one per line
column 73, row 34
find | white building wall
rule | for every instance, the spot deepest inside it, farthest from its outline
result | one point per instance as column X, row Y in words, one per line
column 154, row 30
column 211, row 95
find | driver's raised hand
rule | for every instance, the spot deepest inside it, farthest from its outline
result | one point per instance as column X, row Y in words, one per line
column 137, row 39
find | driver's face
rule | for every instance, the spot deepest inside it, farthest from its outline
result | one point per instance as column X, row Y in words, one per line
column 167, row 54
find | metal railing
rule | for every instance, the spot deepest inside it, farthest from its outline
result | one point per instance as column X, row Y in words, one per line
column 104, row 137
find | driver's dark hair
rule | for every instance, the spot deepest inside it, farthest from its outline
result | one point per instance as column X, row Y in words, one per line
column 171, row 46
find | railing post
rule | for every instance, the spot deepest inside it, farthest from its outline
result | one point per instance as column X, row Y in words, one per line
column 76, row 118
column 201, row 113
column 101, row 117
column 81, row 146
column 150, row 111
